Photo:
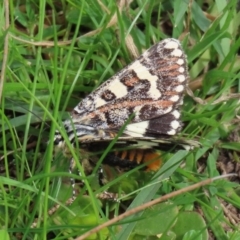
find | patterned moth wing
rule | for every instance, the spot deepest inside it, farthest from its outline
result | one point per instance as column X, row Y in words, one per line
column 150, row 89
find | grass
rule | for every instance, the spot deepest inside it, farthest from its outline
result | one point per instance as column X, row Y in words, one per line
column 58, row 52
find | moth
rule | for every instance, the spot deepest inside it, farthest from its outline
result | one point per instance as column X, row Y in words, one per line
column 142, row 100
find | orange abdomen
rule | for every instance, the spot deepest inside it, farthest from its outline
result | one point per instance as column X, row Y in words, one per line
column 130, row 159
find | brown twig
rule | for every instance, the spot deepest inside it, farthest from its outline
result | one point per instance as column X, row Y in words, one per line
column 219, row 100
column 149, row 204
column 112, row 22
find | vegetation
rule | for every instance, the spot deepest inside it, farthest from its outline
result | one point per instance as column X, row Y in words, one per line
column 53, row 53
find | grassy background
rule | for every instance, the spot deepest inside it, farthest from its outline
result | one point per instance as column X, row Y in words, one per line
column 58, row 52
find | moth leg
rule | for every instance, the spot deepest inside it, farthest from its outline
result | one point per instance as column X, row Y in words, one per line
column 87, row 167
column 101, row 178
column 108, row 196
column 105, row 195
column 72, row 180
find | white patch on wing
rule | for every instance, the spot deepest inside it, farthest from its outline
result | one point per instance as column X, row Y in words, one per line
column 137, row 111
column 171, row 45
column 167, row 110
column 100, row 102
column 175, row 124
column 179, row 88
column 76, row 109
column 180, row 61
column 137, row 129
column 176, row 114
column 181, row 78
column 153, row 91
column 177, row 53
column 171, row 132
column 143, row 73
column 181, row 70
column 145, row 54
column 174, row 98
column 117, row 88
